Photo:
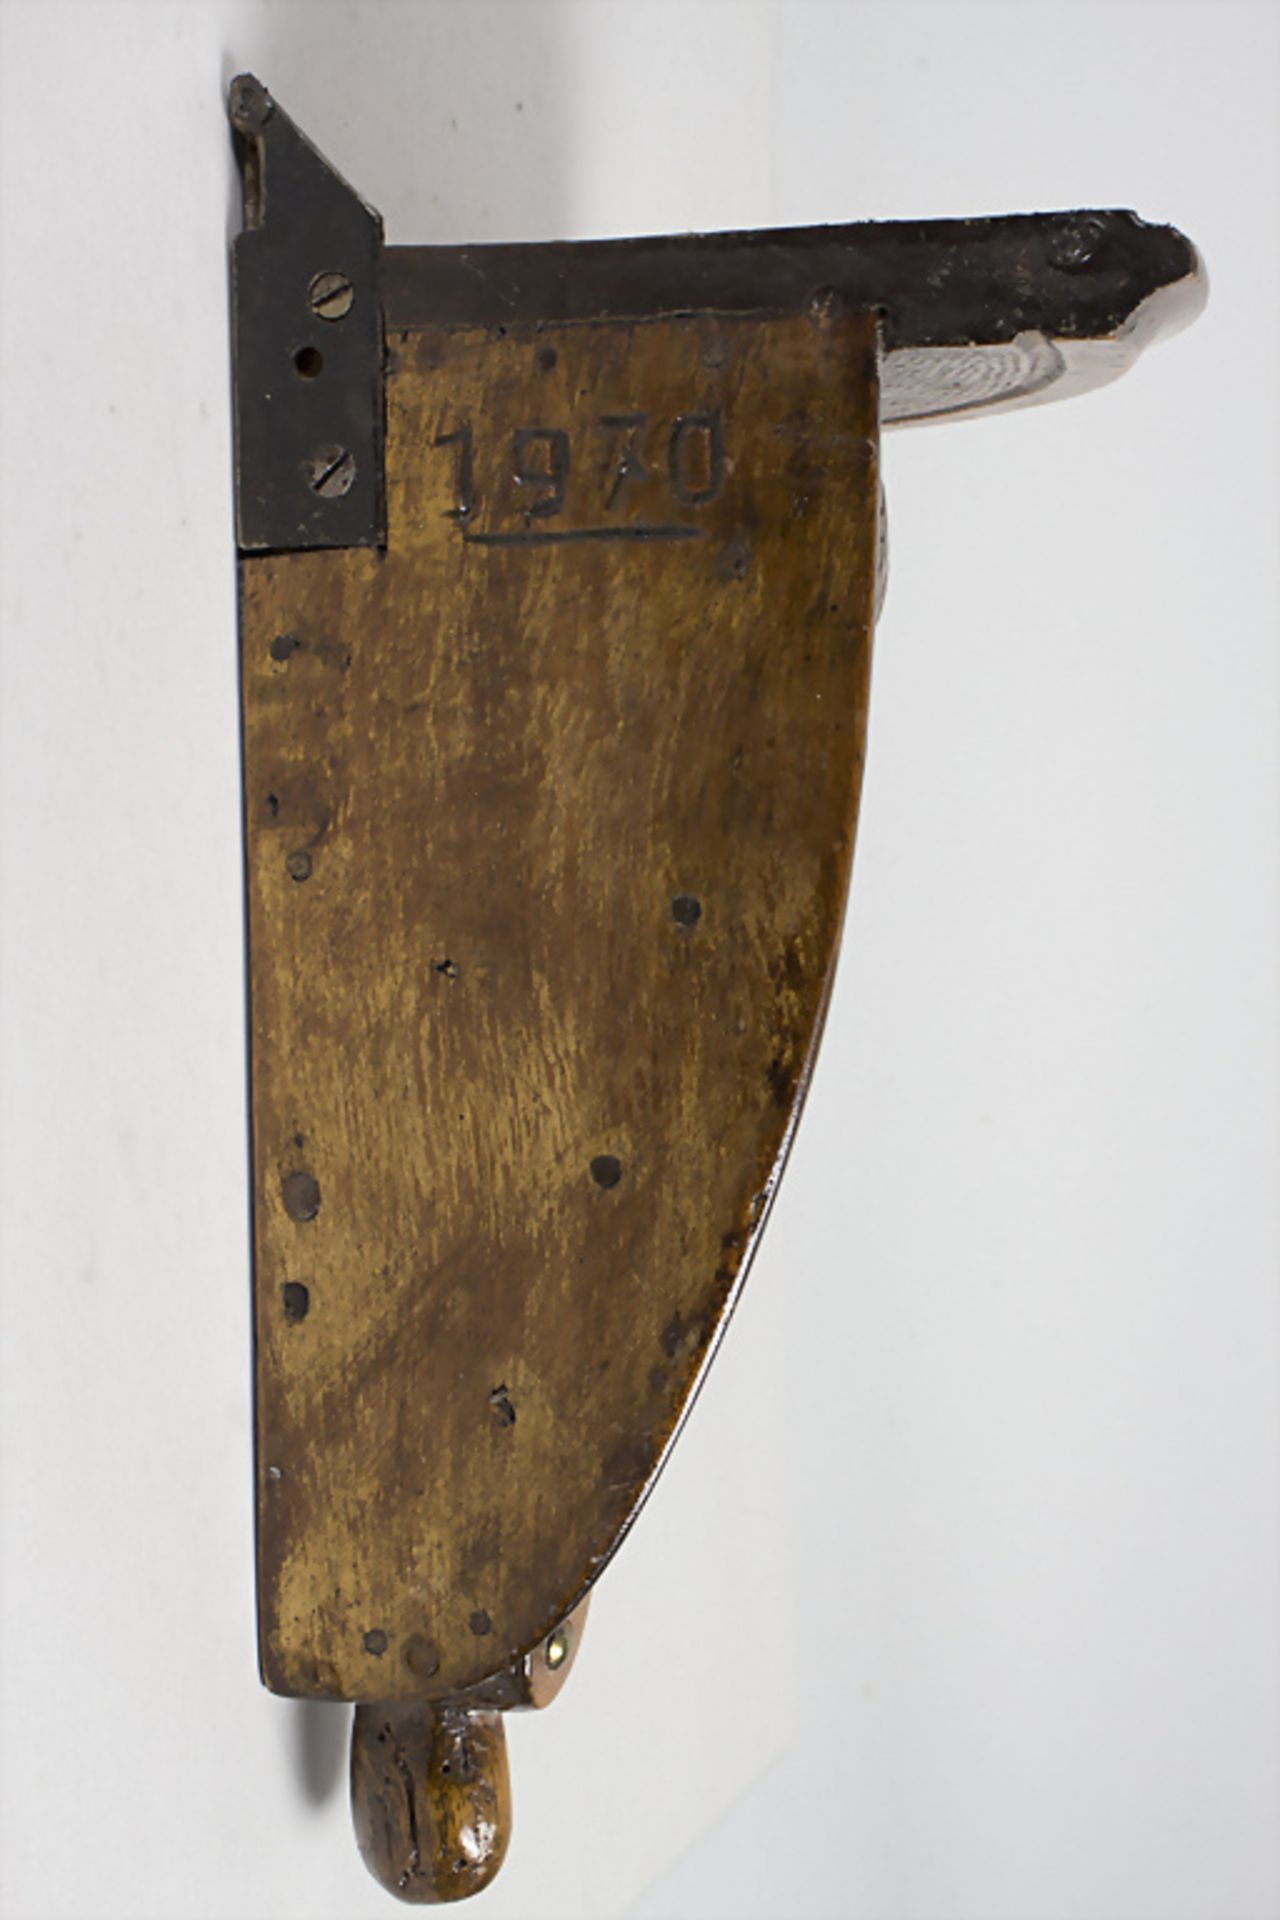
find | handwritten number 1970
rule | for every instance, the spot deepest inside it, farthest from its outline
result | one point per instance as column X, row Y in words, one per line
column 541, row 460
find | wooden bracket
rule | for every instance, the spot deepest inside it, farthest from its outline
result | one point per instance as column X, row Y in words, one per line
column 553, row 726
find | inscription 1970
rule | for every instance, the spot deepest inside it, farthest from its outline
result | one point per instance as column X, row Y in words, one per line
column 616, row 461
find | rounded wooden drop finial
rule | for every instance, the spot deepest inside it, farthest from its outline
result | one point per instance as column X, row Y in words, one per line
column 430, row 1798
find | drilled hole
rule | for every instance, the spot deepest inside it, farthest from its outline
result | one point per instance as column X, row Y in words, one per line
column 308, row 361
column 296, row 1299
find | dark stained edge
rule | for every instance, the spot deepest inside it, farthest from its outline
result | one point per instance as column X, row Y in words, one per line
column 1071, row 276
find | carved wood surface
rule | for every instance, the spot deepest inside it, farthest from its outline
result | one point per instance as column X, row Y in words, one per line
column 549, row 817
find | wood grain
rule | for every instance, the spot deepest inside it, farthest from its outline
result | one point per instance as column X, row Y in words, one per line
column 547, row 853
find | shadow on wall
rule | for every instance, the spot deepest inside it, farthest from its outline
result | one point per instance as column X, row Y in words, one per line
column 450, row 120
column 321, row 1737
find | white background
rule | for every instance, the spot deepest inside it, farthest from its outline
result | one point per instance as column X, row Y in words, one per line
column 958, row 1601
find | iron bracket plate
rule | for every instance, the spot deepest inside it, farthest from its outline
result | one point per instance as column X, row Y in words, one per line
column 307, row 342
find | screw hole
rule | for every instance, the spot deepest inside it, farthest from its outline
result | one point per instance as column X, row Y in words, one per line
column 308, row 361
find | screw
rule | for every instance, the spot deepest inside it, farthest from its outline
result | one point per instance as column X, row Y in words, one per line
column 1075, row 243
column 330, row 295
column 558, row 1647
column 330, row 472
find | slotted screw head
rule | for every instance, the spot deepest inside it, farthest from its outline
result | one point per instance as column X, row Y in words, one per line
column 330, row 296
column 330, row 472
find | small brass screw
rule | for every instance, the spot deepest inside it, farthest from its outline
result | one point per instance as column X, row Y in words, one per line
column 558, row 1647
column 331, row 295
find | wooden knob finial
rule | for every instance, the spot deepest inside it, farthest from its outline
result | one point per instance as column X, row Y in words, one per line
column 430, row 1798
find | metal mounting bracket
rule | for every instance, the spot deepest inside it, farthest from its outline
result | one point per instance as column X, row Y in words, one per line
column 307, row 343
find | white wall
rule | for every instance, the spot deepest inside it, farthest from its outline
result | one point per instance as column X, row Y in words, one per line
column 958, row 1601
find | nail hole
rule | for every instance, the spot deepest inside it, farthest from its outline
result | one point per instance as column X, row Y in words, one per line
column 273, row 804
column 308, row 361
column 734, row 558
column 375, row 1642
column 605, row 1170
column 296, row 1298
column 301, row 1194
column 686, row 910
column 449, row 968
column 547, row 359
column 299, row 866
column 502, row 1409
column 283, row 645
column 480, row 1623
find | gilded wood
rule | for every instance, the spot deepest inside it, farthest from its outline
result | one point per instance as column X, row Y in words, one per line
column 548, row 842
